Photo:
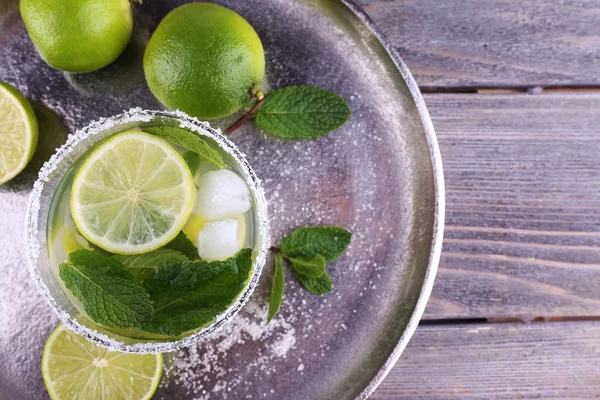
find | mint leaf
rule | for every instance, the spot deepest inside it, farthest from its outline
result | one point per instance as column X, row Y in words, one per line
column 181, row 318
column 100, row 249
column 108, row 292
column 309, row 268
column 276, row 288
column 191, row 294
column 184, row 245
column 327, row 241
column 320, row 285
column 192, row 159
column 302, row 112
column 188, row 140
column 142, row 265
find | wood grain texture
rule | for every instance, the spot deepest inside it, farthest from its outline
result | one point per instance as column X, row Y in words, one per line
column 522, row 234
column 498, row 361
column 506, row 43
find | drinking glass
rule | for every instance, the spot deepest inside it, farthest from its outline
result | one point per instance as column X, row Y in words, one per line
column 40, row 202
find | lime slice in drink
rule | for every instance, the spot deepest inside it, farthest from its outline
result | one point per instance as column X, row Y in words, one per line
column 133, row 194
column 74, row 368
column 18, row 132
column 194, row 225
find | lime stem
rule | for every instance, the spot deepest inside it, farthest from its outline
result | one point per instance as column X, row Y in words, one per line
column 274, row 249
column 277, row 250
column 248, row 115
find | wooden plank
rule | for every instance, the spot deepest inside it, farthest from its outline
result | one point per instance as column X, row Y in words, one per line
column 558, row 360
column 506, row 43
column 498, row 361
column 523, row 205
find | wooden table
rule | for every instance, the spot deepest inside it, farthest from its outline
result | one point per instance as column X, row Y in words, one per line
column 512, row 88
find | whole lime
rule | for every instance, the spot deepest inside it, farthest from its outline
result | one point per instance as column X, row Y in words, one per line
column 78, row 35
column 204, row 59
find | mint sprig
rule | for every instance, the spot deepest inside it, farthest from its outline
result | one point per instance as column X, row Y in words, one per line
column 297, row 112
column 302, row 112
column 327, row 241
column 192, row 159
column 182, row 244
column 162, row 291
column 188, row 140
column 310, row 268
column 142, row 265
column 308, row 250
column 276, row 288
column 319, row 286
column 191, row 294
column 108, row 292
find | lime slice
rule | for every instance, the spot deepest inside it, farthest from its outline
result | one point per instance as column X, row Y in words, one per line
column 74, row 368
column 133, row 194
column 18, row 132
column 73, row 241
column 241, row 231
column 194, row 225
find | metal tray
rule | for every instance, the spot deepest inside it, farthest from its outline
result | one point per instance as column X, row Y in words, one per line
column 380, row 176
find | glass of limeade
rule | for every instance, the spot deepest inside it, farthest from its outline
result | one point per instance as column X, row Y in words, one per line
column 150, row 247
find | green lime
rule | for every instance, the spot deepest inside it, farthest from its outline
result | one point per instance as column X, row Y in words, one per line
column 74, row 368
column 204, row 59
column 133, row 194
column 18, row 132
column 78, row 35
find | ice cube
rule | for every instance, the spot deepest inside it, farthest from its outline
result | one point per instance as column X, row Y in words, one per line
column 218, row 240
column 221, row 194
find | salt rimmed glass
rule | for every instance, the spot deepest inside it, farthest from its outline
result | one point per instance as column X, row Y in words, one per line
column 43, row 192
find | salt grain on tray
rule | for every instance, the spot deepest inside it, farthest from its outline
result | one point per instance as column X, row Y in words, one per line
column 198, row 369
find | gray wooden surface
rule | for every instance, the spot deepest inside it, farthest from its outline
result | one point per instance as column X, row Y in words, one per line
column 505, row 43
column 522, row 238
column 522, row 192
column 554, row 360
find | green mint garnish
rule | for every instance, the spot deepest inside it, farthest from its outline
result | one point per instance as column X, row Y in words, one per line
column 276, row 288
column 142, row 265
column 327, row 241
column 302, row 112
column 99, row 249
column 320, row 285
column 192, row 159
column 191, row 294
column 308, row 250
column 309, row 268
column 188, row 140
column 182, row 244
column 108, row 292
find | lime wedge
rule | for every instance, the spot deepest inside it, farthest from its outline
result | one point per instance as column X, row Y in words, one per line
column 133, row 194
column 74, row 368
column 18, row 132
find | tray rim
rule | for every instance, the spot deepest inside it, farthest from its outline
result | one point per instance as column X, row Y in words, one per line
column 439, row 193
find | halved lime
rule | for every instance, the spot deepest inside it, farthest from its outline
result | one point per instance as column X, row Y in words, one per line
column 133, row 194
column 74, row 368
column 18, row 132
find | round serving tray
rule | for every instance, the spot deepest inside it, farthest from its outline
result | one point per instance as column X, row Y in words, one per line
column 380, row 176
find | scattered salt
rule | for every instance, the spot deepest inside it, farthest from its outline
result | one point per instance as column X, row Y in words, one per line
column 210, row 361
